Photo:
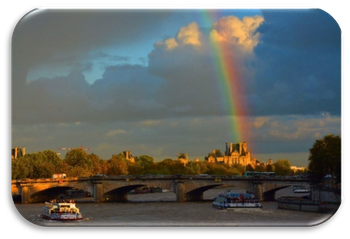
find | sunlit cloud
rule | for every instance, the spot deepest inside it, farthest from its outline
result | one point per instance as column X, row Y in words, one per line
column 239, row 32
column 150, row 123
column 189, row 35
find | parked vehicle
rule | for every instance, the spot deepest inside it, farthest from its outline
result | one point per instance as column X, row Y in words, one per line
column 59, row 175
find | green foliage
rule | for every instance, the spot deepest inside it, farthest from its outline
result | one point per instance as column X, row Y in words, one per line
column 270, row 168
column 134, row 168
column 282, row 167
column 117, row 165
column 194, row 168
column 170, row 166
column 325, row 158
column 78, row 158
column 144, row 160
column 96, row 164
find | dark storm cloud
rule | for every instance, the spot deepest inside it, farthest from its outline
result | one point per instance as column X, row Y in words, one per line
column 43, row 36
column 189, row 86
column 298, row 64
column 125, row 92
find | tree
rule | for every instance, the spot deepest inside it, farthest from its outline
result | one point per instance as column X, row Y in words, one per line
column 325, row 159
column 52, row 157
column 118, row 165
column 238, row 168
column 270, row 168
column 170, row 166
column 96, row 163
column 193, row 168
column 249, row 168
column 144, row 160
column 134, row 168
column 78, row 157
column 282, row 167
column 260, row 168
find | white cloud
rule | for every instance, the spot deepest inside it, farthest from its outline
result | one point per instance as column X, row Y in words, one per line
column 189, row 35
column 231, row 30
column 239, row 32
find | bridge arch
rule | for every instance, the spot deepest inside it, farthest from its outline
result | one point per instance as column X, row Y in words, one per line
column 49, row 194
column 120, row 193
column 197, row 193
column 270, row 195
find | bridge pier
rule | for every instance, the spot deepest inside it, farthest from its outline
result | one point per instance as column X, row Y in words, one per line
column 257, row 191
column 25, row 194
column 180, row 192
column 98, row 193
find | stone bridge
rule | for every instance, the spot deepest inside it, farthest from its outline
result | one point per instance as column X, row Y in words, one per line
column 116, row 188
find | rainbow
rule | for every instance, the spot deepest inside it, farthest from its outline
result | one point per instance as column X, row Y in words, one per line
column 227, row 72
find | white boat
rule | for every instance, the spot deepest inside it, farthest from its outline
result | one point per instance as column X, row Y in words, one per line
column 300, row 189
column 61, row 211
column 230, row 200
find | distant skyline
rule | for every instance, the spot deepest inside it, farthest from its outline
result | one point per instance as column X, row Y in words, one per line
column 163, row 82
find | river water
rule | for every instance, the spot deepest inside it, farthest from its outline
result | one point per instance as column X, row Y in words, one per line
column 161, row 209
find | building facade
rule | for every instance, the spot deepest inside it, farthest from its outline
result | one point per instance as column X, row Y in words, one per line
column 234, row 154
column 183, row 158
column 18, row 152
column 128, row 156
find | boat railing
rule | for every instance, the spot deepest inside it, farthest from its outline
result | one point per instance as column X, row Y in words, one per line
column 244, row 201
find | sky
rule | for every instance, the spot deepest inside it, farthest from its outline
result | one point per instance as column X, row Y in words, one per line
column 163, row 82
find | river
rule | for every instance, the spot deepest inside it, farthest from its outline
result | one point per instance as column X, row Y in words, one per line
column 161, row 209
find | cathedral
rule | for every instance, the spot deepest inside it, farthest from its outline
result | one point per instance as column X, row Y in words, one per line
column 234, row 154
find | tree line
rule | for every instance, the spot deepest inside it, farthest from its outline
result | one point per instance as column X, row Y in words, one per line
column 78, row 163
column 324, row 159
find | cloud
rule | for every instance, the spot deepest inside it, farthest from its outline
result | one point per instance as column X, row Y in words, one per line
column 194, row 135
column 187, row 35
column 69, row 35
column 280, row 76
column 150, row 123
column 112, row 133
column 231, row 30
column 297, row 64
column 169, row 44
column 239, row 32
column 187, row 65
